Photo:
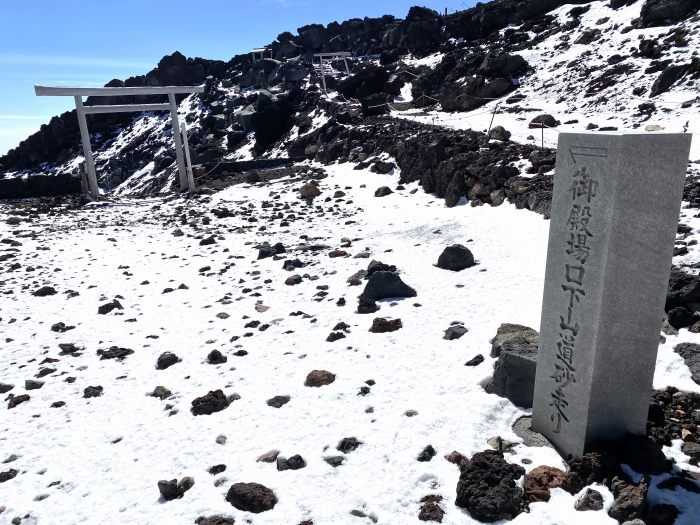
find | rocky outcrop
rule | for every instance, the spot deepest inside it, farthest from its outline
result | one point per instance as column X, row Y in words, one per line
column 662, row 12
column 39, row 185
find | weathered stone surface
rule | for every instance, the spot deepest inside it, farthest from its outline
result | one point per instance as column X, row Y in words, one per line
column 595, row 370
column 513, row 332
column 514, row 372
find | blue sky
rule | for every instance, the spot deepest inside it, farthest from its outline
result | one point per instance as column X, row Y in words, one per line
column 88, row 43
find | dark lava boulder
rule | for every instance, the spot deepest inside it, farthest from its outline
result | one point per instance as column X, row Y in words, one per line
column 487, row 487
column 545, row 119
column 215, row 357
column 383, row 191
column 592, row 467
column 166, row 360
column 683, row 288
column 251, row 497
column 456, row 258
column 384, row 285
column 690, row 352
column 44, row 291
column 214, row 401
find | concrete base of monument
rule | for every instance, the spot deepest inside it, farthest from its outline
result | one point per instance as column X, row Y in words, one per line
column 530, row 438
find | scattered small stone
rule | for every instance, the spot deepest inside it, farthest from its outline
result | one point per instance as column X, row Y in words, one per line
column 318, row 378
column 31, row 384
column 383, row 191
column 591, row 500
column 296, row 462
column 278, row 401
column 215, row 357
column 214, row 401
column 216, row 469
column 114, row 352
column 427, row 454
column 61, row 327
column 17, row 400
column 161, row 392
column 44, row 291
column 455, row 332
column 8, row 475
column 293, row 280
column 335, row 336
column 106, row 308
column 171, row 489
column 539, row 480
column 269, row 457
column 166, row 360
column 430, row 509
column 334, row 461
column 92, row 391
column 474, row 361
column 382, row 325
column 348, row 444
column 214, row 520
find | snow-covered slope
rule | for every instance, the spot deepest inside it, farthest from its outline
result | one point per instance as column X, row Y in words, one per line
column 604, row 83
column 98, row 460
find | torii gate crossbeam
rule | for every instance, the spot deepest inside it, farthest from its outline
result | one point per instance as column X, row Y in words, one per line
column 186, row 179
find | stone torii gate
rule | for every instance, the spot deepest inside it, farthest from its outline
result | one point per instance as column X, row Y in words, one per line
column 186, row 179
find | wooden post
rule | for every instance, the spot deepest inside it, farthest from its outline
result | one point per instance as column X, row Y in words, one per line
column 87, row 150
column 182, row 171
column 347, row 69
column 323, row 76
column 493, row 115
column 542, row 146
column 190, row 176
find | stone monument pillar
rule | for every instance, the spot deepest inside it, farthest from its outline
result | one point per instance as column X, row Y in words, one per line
column 615, row 213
